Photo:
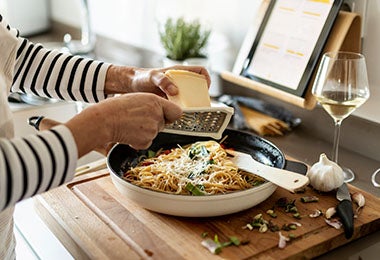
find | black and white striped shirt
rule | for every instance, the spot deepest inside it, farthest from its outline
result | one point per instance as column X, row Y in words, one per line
column 37, row 163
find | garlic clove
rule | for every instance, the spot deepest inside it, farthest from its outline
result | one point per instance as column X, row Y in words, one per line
column 330, row 212
column 325, row 175
column 359, row 199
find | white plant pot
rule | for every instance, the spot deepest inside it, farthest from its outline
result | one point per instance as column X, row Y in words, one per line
column 197, row 62
column 166, row 62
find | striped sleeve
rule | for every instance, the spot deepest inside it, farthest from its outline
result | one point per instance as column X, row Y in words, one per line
column 35, row 164
column 52, row 74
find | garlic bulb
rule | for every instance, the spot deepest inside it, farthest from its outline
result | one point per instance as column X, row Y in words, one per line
column 325, row 175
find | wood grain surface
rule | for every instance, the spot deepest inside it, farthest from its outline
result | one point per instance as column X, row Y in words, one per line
column 95, row 221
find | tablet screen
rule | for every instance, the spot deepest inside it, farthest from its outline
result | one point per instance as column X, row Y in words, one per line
column 289, row 43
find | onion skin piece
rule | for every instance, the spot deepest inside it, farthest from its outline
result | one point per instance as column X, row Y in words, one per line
column 212, row 246
column 335, row 223
column 282, row 240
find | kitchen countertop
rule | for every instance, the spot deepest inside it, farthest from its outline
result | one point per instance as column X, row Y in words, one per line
column 360, row 140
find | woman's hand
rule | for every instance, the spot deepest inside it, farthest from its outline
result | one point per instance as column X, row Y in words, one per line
column 133, row 119
column 122, row 79
column 47, row 123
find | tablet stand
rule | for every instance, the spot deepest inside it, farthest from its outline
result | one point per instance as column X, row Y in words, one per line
column 345, row 36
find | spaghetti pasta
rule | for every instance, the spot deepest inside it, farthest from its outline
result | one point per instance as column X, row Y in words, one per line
column 202, row 168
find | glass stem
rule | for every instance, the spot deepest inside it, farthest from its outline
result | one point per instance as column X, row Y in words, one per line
column 336, row 140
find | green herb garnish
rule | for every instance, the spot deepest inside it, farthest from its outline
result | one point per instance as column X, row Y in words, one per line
column 151, row 154
column 194, row 190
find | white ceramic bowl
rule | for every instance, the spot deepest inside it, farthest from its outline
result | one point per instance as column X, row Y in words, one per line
column 193, row 206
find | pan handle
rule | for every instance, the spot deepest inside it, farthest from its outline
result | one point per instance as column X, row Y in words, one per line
column 294, row 166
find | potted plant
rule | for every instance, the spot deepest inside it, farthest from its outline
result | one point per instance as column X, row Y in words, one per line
column 184, row 40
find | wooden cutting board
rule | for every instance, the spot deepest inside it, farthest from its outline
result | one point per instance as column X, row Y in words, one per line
column 104, row 224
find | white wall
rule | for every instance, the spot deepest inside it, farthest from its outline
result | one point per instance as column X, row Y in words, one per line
column 136, row 22
column 371, row 49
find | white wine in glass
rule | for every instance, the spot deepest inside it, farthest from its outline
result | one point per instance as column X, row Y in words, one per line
column 341, row 86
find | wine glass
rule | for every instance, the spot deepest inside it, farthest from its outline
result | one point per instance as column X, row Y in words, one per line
column 341, row 86
column 373, row 178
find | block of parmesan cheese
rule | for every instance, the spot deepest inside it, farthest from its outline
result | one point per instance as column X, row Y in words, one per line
column 192, row 89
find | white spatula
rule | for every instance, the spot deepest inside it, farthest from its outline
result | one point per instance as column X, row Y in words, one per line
column 283, row 178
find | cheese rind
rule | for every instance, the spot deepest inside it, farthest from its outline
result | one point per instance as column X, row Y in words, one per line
column 192, row 89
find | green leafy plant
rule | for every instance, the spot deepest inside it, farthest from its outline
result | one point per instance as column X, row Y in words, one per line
column 183, row 40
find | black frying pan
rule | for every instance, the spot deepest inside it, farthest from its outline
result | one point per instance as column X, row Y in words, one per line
column 122, row 157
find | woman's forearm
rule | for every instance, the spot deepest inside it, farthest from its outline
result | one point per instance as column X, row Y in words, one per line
column 119, row 79
column 89, row 129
